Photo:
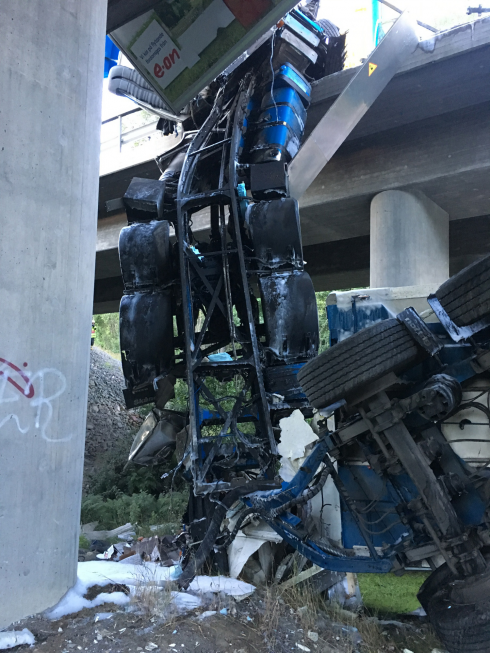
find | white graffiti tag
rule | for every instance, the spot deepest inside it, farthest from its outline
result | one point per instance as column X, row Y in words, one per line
column 36, row 392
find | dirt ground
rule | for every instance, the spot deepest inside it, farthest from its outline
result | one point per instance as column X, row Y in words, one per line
column 262, row 623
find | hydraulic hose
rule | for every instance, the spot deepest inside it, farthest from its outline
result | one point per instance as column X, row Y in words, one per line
column 238, row 525
column 304, row 498
column 206, row 546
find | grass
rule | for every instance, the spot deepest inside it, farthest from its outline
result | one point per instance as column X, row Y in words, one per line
column 389, row 593
column 315, row 613
column 150, row 596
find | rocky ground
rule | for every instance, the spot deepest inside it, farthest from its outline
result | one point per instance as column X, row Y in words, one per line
column 263, row 623
column 108, row 420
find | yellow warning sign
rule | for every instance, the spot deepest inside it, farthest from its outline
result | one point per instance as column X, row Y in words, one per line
column 372, row 68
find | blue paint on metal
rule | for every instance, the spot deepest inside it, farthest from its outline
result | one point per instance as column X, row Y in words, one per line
column 470, row 508
column 283, row 114
column 315, row 27
column 286, row 96
column 288, row 76
column 382, row 521
column 343, row 322
column 111, row 56
column 309, row 549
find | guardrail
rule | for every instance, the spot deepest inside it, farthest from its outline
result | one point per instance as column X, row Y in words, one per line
column 124, row 138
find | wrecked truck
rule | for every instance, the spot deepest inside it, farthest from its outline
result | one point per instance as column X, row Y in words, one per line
column 225, row 304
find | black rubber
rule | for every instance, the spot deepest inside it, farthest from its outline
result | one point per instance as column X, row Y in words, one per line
column 466, row 296
column 353, row 363
column 438, row 578
column 328, row 27
column 462, row 627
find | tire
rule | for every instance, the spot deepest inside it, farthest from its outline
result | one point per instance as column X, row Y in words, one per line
column 290, row 315
column 145, row 336
column 438, row 578
column 361, row 359
column 460, row 611
column 145, row 255
column 328, row 27
column 466, row 296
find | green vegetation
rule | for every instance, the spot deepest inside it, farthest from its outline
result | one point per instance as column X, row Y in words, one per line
column 390, row 593
column 83, row 543
column 115, row 478
column 321, row 301
column 141, row 509
column 118, row 494
column 107, row 333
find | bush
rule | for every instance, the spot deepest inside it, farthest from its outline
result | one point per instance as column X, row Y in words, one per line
column 114, row 477
column 141, row 509
column 107, row 333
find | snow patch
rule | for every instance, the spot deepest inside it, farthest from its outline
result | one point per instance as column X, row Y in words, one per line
column 12, row 638
column 108, row 573
column 230, row 586
column 137, row 576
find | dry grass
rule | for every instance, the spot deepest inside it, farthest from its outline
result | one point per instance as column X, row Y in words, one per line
column 273, row 606
column 334, row 624
column 151, row 597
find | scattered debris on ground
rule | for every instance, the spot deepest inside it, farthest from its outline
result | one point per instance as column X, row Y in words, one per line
column 143, row 611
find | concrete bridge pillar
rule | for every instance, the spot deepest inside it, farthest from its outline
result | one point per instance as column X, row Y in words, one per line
column 409, row 240
column 51, row 71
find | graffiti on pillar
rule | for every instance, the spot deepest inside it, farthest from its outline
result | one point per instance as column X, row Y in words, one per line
column 28, row 399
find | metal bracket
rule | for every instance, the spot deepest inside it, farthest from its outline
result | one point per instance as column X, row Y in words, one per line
column 419, row 331
column 457, row 333
column 351, row 105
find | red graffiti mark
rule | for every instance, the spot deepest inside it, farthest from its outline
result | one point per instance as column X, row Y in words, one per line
column 28, row 390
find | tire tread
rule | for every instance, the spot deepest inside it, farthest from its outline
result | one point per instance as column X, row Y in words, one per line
column 358, row 360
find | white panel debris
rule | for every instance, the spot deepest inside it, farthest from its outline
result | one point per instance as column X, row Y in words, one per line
column 294, row 446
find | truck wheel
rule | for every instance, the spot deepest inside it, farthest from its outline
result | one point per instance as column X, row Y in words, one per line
column 361, row 359
column 328, row 27
column 466, row 296
column 459, row 611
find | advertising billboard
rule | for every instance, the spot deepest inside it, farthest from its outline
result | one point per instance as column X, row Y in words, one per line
column 180, row 46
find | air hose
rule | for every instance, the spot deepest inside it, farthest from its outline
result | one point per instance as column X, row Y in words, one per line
column 207, row 545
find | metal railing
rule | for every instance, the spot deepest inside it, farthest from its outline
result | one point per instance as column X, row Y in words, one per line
column 124, row 138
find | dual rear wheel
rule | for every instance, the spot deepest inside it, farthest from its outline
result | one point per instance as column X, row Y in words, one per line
column 459, row 609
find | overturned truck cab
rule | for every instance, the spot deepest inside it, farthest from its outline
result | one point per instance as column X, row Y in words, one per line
column 232, row 306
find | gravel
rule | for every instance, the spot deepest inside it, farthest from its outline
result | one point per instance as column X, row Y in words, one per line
column 108, row 420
